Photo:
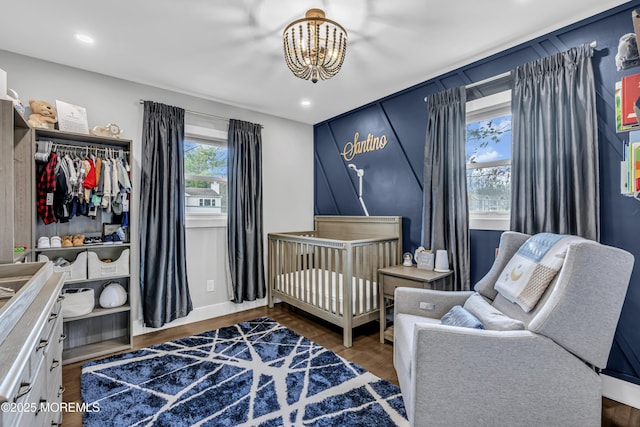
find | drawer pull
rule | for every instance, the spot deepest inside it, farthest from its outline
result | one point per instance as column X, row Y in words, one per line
column 61, row 391
column 54, row 364
column 53, row 316
column 42, row 344
column 25, row 388
column 62, row 337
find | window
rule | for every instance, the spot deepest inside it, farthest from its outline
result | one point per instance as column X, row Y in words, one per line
column 488, row 156
column 205, row 171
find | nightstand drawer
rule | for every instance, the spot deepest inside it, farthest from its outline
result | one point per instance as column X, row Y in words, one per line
column 391, row 283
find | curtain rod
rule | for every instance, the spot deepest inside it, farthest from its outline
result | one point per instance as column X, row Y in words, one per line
column 198, row 113
column 593, row 44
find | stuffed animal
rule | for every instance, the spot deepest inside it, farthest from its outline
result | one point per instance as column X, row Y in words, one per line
column 43, row 115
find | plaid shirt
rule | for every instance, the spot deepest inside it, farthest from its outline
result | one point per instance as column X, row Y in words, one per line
column 45, row 185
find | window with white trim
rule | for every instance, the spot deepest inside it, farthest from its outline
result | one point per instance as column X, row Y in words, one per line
column 488, row 157
column 205, row 171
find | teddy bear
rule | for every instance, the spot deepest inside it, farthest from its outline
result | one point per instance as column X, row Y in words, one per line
column 43, row 115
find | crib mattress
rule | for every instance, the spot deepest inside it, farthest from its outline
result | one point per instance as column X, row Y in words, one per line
column 302, row 286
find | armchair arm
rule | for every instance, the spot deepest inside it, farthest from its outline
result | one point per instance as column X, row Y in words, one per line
column 464, row 376
column 436, row 303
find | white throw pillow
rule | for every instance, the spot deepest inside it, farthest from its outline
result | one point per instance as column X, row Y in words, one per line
column 491, row 317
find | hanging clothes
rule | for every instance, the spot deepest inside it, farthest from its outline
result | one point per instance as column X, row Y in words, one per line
column 62, row 197
column 45, row 187
column 71, row 184
column 106, row 189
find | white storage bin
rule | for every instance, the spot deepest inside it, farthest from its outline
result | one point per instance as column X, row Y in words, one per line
column 77, row 302
column 76, row 271
column 101, row 270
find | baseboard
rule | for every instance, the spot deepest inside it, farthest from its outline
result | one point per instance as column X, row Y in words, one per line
column 202, row 313
column 621, row 391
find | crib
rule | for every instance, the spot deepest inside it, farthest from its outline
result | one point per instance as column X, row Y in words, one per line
column 331, row 272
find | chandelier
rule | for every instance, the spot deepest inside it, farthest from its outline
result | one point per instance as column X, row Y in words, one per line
column 314, row 46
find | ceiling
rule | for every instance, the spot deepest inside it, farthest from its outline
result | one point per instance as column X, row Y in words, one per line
column 231, row 50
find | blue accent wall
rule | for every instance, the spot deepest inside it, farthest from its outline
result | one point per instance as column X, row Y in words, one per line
column 392, row 182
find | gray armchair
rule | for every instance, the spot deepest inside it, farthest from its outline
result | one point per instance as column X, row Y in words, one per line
column 544, row 373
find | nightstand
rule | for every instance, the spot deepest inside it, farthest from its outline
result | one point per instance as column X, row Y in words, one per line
column 390, row 278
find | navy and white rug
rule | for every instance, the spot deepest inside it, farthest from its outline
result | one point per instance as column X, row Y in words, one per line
column 255, row 373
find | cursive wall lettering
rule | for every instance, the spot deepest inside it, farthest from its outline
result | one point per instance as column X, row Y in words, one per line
column 372, row 143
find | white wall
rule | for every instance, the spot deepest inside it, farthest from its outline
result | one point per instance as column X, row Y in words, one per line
column 287, row 165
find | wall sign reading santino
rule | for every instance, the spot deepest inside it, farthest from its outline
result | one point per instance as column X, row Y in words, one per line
column 372, row 143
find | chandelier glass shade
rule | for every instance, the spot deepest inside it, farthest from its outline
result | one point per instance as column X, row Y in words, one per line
column 314, row 46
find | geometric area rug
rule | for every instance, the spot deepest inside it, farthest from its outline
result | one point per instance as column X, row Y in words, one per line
column 255, row 373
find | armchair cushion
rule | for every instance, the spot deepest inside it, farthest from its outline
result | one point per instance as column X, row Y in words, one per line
column 403, row 336
column 459, row 316
column 491, row 317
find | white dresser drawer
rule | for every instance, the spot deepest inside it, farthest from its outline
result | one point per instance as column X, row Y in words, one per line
column 30, row 359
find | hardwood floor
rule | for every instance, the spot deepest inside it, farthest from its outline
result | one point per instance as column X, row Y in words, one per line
column 366, row 351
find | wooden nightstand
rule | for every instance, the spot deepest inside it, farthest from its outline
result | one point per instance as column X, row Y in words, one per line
column 390, row 278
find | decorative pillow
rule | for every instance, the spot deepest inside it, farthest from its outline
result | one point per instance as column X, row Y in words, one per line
column 458, row 316
column 491, row 317
column 528, row 273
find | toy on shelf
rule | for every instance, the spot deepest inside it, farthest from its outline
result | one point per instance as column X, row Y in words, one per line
column 43, row 115
column 12, row 95
column 111, row 130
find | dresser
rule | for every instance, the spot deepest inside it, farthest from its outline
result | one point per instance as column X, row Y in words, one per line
column 31, row 340
column 390, row 278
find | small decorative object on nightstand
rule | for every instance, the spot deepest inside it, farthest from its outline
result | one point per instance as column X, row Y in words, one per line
column 390, row 278
column 407, row 259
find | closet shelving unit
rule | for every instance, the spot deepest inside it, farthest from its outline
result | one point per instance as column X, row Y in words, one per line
column 104, row 330
column 16, row 169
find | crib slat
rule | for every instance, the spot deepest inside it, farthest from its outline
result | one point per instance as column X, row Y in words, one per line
column 328, row 278
column 319, row 267
column 368, row 283
column 327, row 284
column 305, row 272
column 285, row 267
column 356, row 294
column 288, row 269
column 347, row 308
column 374, row 276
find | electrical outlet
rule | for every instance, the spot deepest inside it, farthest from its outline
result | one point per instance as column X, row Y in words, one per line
column 211, row 286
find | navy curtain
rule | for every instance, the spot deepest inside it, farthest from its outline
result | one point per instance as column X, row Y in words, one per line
column 244, row 233
column 445, row 211
column 555, row 181
column 163, row 269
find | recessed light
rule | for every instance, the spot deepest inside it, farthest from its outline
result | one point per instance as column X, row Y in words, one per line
column 305, row 103
column 84, row 38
